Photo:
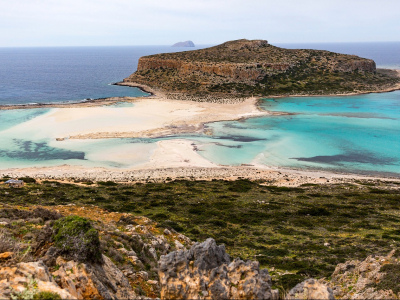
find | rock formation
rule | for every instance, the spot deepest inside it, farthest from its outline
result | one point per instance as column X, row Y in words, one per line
column 39, row 261
column 377, row 277
column 244, row 67
column 310, row 289
column 206, row 272
column 184, row 44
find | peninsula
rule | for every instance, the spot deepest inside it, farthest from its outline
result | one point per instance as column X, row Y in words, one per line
column 243, row 68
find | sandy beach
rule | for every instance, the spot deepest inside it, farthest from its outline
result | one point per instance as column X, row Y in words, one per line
column 147, row 117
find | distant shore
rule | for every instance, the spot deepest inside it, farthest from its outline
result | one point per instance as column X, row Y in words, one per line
column 158, row 94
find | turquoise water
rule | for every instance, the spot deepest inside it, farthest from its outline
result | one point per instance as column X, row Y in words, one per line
column 353, row 134
column 356, row 134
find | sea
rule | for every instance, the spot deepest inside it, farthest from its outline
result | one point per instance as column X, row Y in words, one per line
column 353, row 134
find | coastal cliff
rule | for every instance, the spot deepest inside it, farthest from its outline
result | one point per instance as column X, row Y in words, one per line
column 243, row 67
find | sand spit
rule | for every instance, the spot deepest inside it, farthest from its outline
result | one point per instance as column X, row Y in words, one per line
column 147, row 117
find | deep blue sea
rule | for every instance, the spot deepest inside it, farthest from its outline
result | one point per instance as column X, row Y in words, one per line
column 42, row 75
column 356, row 134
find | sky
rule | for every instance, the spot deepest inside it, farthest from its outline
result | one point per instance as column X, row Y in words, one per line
column 32, row 23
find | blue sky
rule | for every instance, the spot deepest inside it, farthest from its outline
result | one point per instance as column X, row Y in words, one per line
column 164, row 22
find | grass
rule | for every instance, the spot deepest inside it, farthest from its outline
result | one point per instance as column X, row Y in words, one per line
column 283, row 228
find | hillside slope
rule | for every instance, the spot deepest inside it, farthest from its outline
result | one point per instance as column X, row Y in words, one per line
column 254, row 67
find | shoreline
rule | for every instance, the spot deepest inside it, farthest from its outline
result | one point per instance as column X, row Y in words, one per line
column 154, row 93
column 264, row 175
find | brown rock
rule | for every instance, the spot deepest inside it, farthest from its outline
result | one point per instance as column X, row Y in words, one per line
column 6, row 255
column 93, row 281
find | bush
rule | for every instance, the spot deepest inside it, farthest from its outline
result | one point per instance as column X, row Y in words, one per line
column 107, row 183
column 76, row 238
column 46, row 296
column 314, row 211
column 28, row 179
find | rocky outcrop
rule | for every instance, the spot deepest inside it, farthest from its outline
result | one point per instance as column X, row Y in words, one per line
column 255, row 67
column 310, row 289
column 377, row 277
column 206, row 272
column 184, row 44
column 33, row 259
column 26, row 279
column 93, row 281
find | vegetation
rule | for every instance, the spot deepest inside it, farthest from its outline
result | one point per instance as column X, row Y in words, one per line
column 294, row 232
column 76, row 238
column 391, row 279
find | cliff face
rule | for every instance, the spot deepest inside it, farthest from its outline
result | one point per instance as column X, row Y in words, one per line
column 246, row 67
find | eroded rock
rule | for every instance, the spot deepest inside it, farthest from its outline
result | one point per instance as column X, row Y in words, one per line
column 367, row 279
column 206, row 272
column 310, row 289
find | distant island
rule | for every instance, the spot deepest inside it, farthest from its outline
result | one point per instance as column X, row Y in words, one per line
column 244, row 68
column 184, row 44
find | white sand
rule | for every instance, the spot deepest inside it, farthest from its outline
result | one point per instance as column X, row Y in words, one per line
column 175, row 154
column 149, row 117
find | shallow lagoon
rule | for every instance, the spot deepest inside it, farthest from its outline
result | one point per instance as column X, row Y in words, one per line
column 359, row 134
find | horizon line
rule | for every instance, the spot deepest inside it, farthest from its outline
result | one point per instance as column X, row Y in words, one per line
column 196, row 45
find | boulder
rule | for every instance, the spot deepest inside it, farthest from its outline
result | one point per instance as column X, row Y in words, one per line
column 310, row 289
column 206, row 272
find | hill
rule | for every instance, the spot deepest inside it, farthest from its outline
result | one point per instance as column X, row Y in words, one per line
column 254, row 67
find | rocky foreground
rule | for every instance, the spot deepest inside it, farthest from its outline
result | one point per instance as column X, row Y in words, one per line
column 77, row 252
column 243, row 68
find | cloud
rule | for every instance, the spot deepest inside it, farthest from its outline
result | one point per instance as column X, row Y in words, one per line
column 155, row 22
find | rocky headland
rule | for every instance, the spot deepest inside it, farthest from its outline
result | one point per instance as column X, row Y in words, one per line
column 243, row 68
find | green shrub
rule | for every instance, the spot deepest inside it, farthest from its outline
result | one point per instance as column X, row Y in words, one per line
column 77, row 239
column 46, row 296
column 107, row 183
column 391, row 280
column 28, row 179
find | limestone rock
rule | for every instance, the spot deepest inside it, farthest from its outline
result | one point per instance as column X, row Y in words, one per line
column 357, row 279
column 93, row 281
column 310, row 289
column 206, row 272
column 16, row 280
